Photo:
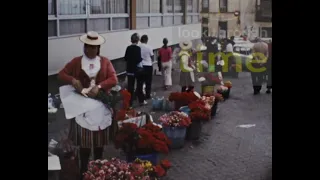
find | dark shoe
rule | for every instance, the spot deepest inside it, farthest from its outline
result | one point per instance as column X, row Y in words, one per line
column 256, row 92
column 268, row 91
column 148, row 97
column 143, row 103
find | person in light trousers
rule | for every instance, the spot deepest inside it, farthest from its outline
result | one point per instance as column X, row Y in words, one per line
column 165, row 54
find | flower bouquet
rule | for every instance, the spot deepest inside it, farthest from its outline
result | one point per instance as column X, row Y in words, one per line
column 143, row 143
column 199, row 113
column 224, row 91
column 118, row 169
column 175, row 127
column 182, row 98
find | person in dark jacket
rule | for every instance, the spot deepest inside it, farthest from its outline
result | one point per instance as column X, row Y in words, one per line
column 133, row 59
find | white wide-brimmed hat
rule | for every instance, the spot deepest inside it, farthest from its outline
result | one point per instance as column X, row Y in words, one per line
column 185, row 45
column 92, row 38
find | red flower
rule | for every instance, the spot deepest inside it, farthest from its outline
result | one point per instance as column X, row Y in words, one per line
column 126, row 98
column 183, row 97
column 159, row 171
column 165, row 164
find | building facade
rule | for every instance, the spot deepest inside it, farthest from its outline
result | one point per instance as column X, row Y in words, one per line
column 116, row 20
column 225, row 18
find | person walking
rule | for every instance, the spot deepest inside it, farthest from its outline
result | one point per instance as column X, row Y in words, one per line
column 147, row 57
column 165, row 54
column 260, row 56
column 187, row 77
column 134, row 69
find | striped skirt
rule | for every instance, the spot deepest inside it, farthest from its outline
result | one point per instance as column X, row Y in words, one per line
column 85, row 138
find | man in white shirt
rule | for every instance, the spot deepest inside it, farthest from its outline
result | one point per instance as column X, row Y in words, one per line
column 231, row 60
column 147, row 59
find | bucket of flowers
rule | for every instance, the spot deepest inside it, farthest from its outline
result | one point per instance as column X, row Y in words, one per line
column 217, row 98
column 144, row 143
column 224, row 91
column 119, row 169
column 174, row 125
column 182, row 98
column 199, row 112
column 228, row 84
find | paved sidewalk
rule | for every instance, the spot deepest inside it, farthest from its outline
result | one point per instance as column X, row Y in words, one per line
column 225, row 151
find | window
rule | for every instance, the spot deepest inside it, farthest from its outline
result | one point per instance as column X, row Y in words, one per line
column 72, row 7
column 149, row 13
column 52, row 28
column 223, row 6
column 108, row 7
column 51, row 7
column 178, row 6
column 99, row 24
column 193, row 11
column 143, row 6
column 169, row 6
column 155, row 6
column 74, row 26
column 78, row 16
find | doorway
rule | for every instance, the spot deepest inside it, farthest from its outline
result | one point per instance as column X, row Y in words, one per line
column 223, row 29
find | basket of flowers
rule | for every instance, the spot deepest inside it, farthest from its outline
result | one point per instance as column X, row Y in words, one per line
column 224, row 91
column 182, row 98
column 119, row 169
column 144, row 143
column 174, row 125
column 199, row 112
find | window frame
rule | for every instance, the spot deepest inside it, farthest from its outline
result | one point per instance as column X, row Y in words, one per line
column 57, row 17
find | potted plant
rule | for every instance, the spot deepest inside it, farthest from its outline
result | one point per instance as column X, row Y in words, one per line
column 182, row 98
column 224, row 91
column 144, row 143
column 174, row 125
column 119, row 169
column 199, row 112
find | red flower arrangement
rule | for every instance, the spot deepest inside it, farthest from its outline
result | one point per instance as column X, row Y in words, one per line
column 124, row 113
column 199, row 111
column 141, row 141
column 126, row 98
column 212, row 78
column 183, row 98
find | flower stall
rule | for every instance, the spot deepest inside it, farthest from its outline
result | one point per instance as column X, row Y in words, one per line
column 119, row 169
column 175, row 127
column 142, row 142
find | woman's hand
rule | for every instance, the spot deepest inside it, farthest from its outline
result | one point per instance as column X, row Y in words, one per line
column 94, row 92
column 77, row 85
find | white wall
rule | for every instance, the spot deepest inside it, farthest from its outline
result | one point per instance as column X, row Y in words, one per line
column 62, row 50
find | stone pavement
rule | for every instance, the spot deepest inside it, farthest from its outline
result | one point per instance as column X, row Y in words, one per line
column 224, row 151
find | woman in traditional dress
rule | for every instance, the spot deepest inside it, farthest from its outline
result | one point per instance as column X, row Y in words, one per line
column 89, row 75
column 187, row 77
